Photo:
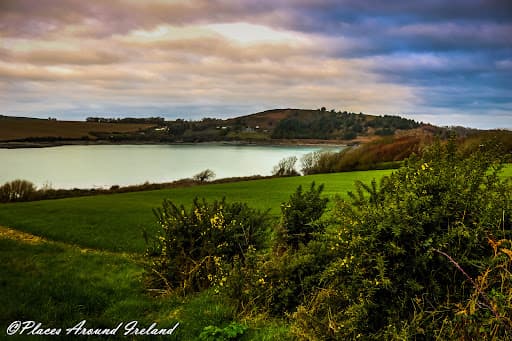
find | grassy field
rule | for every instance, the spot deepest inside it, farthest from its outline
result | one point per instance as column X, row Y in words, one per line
column 88, row 263
column 60, row 285
column 115, row 222
column 15, row 128
column 77, row 259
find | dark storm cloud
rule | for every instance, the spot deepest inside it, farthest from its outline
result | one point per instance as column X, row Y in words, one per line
column 330, row 15
column 455, row 53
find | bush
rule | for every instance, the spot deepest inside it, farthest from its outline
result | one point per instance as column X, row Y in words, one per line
column 300, row 216
column 390, row 279
column 193, row 246
column 369, row 155
column 485, row 315
column 17, row 190
column 277, row 281
column 349, row 135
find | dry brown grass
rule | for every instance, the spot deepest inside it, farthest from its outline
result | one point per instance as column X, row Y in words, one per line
column 14, row 128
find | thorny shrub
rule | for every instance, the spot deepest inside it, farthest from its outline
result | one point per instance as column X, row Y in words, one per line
column 390, row 244
column 193, row 245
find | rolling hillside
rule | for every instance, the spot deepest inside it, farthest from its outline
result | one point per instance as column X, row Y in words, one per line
column 33, row 129
column 278, row 125
column 323, row 124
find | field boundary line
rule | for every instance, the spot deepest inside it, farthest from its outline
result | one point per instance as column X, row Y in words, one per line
column 28, row 238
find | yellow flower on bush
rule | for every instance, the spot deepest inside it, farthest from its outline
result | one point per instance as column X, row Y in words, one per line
column 217, row 221
column 197, row 213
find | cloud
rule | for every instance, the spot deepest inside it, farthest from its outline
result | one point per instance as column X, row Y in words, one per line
column 56, row 57
column 505, row 64
column 105, row 18
column 194, row 57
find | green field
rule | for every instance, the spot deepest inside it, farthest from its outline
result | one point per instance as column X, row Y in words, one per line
column 115, row 222
column 89, row 264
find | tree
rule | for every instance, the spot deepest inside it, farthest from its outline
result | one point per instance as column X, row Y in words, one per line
column 204, row 176
column 17, row 190
column 309, row 162
column 286, row 167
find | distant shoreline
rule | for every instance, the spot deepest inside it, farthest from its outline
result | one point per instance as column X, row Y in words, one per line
column 294, row 142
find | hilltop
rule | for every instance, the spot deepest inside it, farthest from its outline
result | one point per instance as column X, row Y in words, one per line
column 293, row 126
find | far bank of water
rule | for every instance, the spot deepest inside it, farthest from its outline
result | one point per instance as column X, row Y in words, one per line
column 106, row 165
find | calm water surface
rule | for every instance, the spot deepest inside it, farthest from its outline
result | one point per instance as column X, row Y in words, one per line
column 107, row 165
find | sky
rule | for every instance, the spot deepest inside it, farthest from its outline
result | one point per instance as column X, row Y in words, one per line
column 442, row 62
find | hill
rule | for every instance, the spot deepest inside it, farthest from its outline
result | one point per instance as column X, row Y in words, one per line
column 88, row 253
column 323, row 124
column 291, row 126
column 115, row 221
column 271, row 126
column 383, row 139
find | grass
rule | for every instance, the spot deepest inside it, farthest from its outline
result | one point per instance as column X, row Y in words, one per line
column 88, row 265
column 115, row 222
column 60, row 285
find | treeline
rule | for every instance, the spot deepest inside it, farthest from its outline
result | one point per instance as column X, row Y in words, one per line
column 339, row 125
column 144, row 120
column 474, row 140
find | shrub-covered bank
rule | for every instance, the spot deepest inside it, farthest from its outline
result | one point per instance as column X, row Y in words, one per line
column 390, row 151
column 425, row 254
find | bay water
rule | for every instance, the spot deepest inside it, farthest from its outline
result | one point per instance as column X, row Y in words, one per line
column 102, row 166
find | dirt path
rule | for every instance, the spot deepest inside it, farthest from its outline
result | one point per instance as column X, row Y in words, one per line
column 6, row 232
column 24, row 237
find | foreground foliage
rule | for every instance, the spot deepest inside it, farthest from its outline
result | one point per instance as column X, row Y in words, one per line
column 426, row 254
column 105, row 288
column 405, row 254
column 193, row 245
column 276, row 281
